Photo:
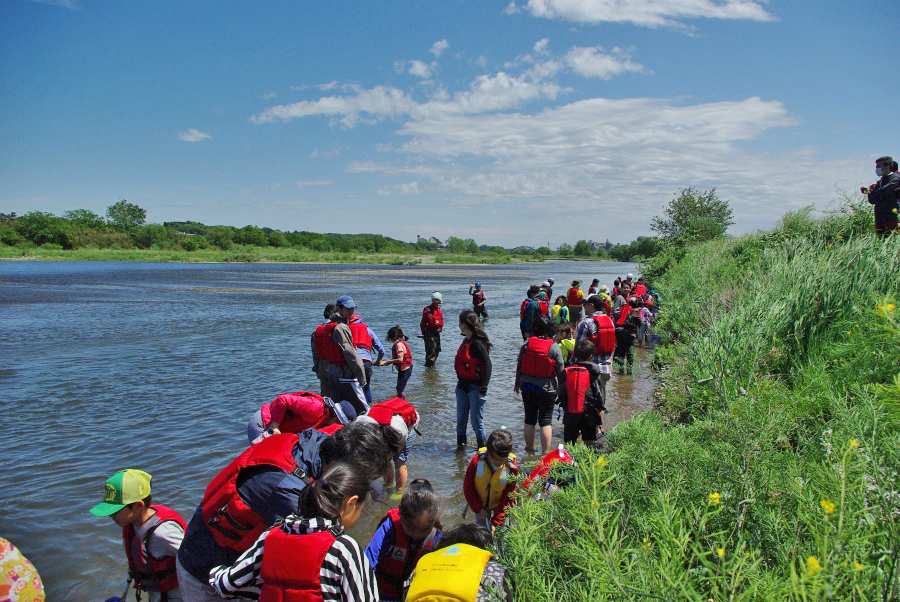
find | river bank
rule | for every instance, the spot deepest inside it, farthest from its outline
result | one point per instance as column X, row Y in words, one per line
column 159, row 366
column 769, row 470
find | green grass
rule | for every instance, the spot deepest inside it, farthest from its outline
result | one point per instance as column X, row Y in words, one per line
column 780, row 394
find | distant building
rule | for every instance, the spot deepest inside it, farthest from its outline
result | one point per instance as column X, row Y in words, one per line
column 432, row 240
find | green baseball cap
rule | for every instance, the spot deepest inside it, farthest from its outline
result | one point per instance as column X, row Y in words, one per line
column 123, row 488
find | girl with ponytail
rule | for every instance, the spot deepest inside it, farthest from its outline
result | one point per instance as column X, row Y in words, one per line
column 401, row 356
column 473, row 369
column 308, row 553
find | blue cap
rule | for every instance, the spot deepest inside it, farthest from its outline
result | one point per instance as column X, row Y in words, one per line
column 345, row 301
column 477, row 284
column 344, row 410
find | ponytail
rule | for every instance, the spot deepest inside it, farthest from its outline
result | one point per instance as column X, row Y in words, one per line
column 395, row 333
column 323, row 497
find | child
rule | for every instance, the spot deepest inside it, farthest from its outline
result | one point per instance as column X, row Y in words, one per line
column 296, row 412
column 447, row 573
column 307, row 555
column 401, row 417
column 566, row 341
column 487, row 485
column 401, row 357
column 152, row 534
column 405, row 533
column 559, row 312
column 582, row 396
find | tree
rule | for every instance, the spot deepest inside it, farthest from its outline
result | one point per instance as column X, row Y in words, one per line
column 221, row 236
column 85, row 219
column 456, row 245
column 582, row 248
column 250, row 235
column 145, row 237
column 693, row 216
column 471, row 246
column 41, row 228
column 124, row 215
column 544, row 251
column 564, row 250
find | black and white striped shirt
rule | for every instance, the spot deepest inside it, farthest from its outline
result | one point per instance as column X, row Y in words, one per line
column 345, row 576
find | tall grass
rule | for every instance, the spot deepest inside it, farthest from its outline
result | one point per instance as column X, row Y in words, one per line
column 769, row 469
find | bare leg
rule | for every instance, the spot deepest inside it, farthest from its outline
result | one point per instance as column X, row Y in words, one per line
column 401, row 475
column 546, row 438
column 529, row 437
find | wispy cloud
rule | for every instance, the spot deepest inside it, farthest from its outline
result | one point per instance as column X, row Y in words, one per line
column 592, row 62
column 70, row 4
column 438, row 48
column 305, row 183
column 193, row 135
column 649, row 14
column 421, row 69
column 406, row 189
column 269, row 96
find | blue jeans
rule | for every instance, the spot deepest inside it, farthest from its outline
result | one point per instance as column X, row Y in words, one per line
column 470, row 403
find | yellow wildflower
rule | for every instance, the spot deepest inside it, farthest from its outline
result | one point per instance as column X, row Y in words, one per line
column 720, row 552
column 858, row 566
column 827, row 506
column 601, row 462
column 647, row 544
column 812, row 566
column 715, row 498
column 854, row 443
column 885, row 310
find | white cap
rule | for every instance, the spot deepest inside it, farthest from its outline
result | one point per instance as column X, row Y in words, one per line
column 630, row 276
column 438, row 296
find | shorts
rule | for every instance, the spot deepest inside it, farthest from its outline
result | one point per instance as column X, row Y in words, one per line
column 584, row 424
column 403, row 456
column 538, row 407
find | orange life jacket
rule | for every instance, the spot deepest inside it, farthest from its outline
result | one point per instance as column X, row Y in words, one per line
column 467, row 366
column 536, row 360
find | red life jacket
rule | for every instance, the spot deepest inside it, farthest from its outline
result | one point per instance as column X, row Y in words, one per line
column 435, row 318
column 573, row 298
column 536, row 361
column 384, row 411
column 326, row 348
column 360, row 335
column 331, row 428
column 398, row 563
column 407, row 357
column 467, row 366
column 623, row 314
column 523, row 308
column 543, row 305
column 478, row 297
column 291, row 565
column 231, row 521
column 578, row 381
column 605, row 339
column 151, row 574
column 640, row 290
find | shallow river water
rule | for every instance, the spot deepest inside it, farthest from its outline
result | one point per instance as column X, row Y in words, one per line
column 108, row 366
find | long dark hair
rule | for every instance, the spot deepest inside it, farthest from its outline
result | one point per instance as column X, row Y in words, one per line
column 470, row 319
column 364, row 444
column 323, row 497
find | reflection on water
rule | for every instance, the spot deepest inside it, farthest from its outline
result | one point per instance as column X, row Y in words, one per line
column 159, row 366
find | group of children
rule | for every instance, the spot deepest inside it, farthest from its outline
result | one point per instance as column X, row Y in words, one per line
column 304, row 553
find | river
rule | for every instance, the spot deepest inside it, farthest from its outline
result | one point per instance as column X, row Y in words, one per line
column 159, row 366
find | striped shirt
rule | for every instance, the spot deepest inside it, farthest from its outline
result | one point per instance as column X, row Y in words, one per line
column 345, row 576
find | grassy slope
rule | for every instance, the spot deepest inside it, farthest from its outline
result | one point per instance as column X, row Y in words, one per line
column 769, row 471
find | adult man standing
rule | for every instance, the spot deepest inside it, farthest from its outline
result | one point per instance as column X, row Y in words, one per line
column 431, row 325
column 367, row 343
column 320, row 366
column 346, row 373
column 477, row 299
column 885, row 195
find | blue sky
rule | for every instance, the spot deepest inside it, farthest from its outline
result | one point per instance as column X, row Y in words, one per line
column 522, row 122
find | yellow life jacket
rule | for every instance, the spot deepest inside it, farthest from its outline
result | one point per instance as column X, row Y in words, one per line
column 490, row 483
column 567, row 347
column 451, row 574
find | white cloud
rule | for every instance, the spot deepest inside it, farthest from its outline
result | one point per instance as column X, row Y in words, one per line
column 438, row 48
column 591, row 62
column 70, row 4
column 305, row 183
column 193, row 135
column 276, row 186
column 328, row 86
column 540, row 47
column 269, row 96
column 421, row 69
column 646, row 13
column 511, row 9
column 407, row 189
